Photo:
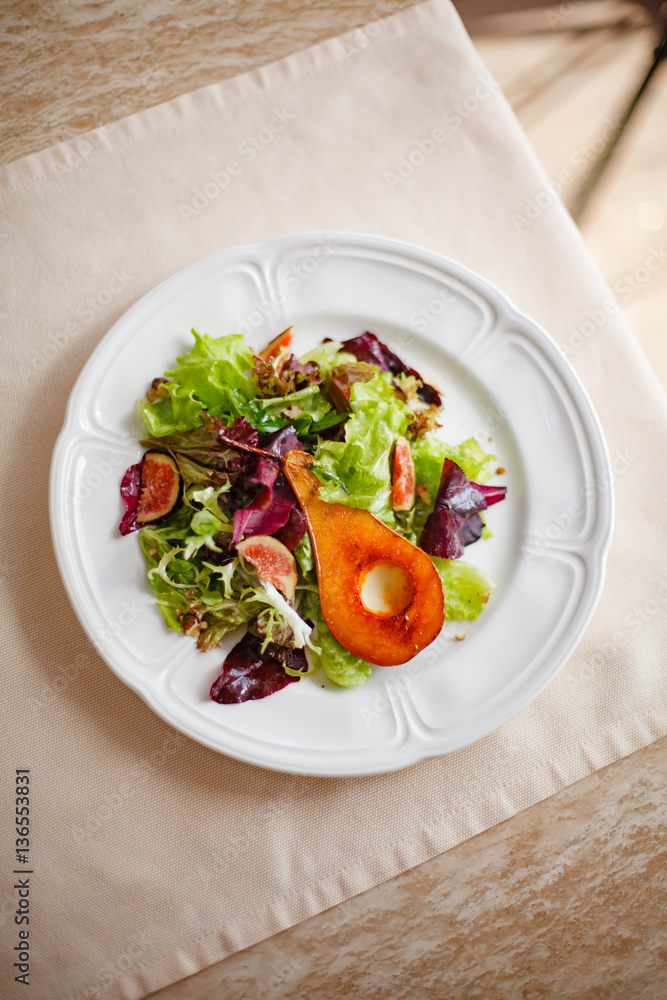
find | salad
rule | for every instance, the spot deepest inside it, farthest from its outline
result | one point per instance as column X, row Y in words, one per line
column 310, row 500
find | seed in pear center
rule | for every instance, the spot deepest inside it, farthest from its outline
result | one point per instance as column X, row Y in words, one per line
column 385, row 588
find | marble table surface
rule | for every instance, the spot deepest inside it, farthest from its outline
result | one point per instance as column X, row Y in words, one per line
column 568, row 899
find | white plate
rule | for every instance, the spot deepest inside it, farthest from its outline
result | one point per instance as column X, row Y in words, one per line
column 504, row 381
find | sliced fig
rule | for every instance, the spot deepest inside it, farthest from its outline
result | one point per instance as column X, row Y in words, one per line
column 278, row 344
column 403, row 476
column 160, row 487
column 272, row 560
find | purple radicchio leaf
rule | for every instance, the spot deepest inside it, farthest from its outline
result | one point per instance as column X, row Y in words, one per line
column 271, row 509
column 241, row 432
column 492, row 494
column 268, row 512
column 265, row 473
column 455, row 521
column 246, row 439
column 368, row 348
column 248, row 674
column 243, row 440
column 281, row 441
column 130, row 489
column 292, row 532
column 278, row 443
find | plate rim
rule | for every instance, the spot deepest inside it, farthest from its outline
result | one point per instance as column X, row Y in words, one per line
column 410, row 751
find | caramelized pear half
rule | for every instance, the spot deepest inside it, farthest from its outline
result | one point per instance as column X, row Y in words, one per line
column 381, row 596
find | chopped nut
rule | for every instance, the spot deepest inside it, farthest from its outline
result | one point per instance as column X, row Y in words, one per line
column 191, row 626
column 424, row 421
column 500, row 471
column 459, row 638
column 157, row 390
column 421, row 489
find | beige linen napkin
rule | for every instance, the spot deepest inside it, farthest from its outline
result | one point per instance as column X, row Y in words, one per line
column 152, row 856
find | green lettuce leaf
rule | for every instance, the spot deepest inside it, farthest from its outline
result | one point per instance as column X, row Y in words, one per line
column 466, row 588
column 217, row 375
column 327, row 356
column 305, row 559
column 430, row 453
column 336, row 662
column 156, row 543
column 225, row 617
column 363, row 460
column 310, row 400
